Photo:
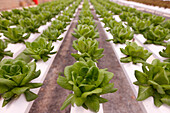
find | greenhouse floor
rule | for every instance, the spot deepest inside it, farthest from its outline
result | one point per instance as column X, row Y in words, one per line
column 52, row 96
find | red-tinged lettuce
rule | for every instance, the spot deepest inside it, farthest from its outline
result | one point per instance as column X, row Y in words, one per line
column 87, row 82
column 15, row 77
column 3, row 46
column 134, row 53
column 154, row 81
column 88, row 48
column 39, row 49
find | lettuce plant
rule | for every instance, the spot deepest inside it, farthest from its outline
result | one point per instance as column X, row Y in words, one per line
column 156, row 20
column 166, row 24
column 59, row 25
column 31, row 25
column 124, row 15
column 85, row 13
column 86, row 31
column 141, row 26
column 64, row 18
column 156, row 35
column 121, row 34
column 87, row 82
column 16, row 35
column 15, row 77
column 4, row 24
column 166, row 52
column 135, row 53
column 51, row 34
column 15, row 19
column 6, row 14
column 105, row 13
column 39, row 49
column 106, row 21
column 154, row 81
column 86, row 20
column 116, row 10
column 68, row 13
column 3, row 46
column 144, row 15
column 88, row 49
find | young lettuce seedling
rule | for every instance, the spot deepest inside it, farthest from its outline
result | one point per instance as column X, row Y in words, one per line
column 39, row 49
column 135, row 53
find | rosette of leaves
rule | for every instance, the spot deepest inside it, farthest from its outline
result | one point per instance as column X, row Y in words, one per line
column 85, row 13
column 26, row 13
column 86, row 31
column 4, row 24
column 166, row 24
column 87, row 21
column 87, row 82
column 39, row 49
column 113, row 23
column 68, row 13
column 3, row 46
column 116, row 10
column 51, row 35
column 16, row 11
column 31, row 25
column 59, row 25
column 106, row 21
column 154, row 81
column 88, row 48
column 144, row 15
column 40, row 18
column 6, row 14
column 47, row 15
column 121, row 34
column 135, row 53
column 141, row 26
column 166, row 52
column 123, row 16
column 105, row 13
column 15, row 19
column 131, row 20
column 16, row 35
column 156, row 20
column 64, row 18
column 35, row 10
column 15, row 77
column 156, row 35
